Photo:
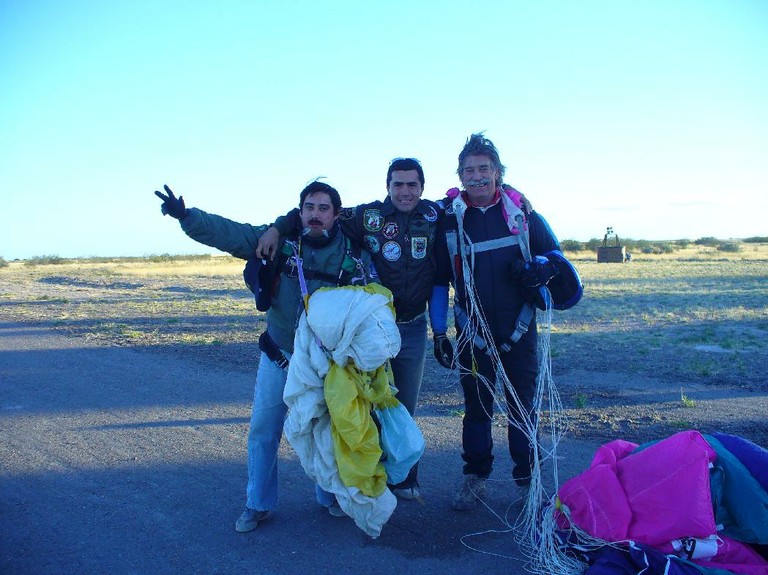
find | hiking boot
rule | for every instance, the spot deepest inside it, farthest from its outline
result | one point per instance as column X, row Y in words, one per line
column 250, row 519
column 472, row 489
column 335, row 509
column 409, row 493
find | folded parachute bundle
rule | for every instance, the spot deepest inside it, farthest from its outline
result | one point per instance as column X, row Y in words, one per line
column 691, row 501
column 338, row 373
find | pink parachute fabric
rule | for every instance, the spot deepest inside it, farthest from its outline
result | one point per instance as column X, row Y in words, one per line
column 652, row 496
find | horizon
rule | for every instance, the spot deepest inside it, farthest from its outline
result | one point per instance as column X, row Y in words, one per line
column 207, row 251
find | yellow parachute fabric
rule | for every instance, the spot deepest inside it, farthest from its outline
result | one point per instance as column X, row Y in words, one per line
column 350, row 393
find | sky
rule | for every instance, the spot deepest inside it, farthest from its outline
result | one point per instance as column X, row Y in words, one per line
column 650, row 117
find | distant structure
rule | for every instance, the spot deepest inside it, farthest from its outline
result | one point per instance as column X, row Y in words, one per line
column 616, row 254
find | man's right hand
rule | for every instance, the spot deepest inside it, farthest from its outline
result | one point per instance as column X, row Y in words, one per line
column 267, row 246
column 172, row 206
column 444, row 353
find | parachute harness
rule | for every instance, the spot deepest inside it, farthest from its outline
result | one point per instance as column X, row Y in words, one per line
column 534, row 528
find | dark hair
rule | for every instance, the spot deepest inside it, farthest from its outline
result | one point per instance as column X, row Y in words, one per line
column 404, row 165
column 317, row 186
column 479, row 145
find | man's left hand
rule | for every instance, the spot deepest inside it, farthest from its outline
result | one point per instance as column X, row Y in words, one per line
column 536, row 272
column 444, row 353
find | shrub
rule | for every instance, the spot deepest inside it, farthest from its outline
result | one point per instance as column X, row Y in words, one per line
column 708, row 241
column 571, row 246
column 44, row 260
column 165, row 258
column 730, row 247
column 756, row 240
column 3, row 263
column 593, row 244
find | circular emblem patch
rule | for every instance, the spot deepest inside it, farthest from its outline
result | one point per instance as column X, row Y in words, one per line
column 372, row 244
column 390, row 230
column 391, row 251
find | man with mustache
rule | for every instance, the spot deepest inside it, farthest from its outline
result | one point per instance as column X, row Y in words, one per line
column 399, row 233
column 497, row 254
column 318, row 254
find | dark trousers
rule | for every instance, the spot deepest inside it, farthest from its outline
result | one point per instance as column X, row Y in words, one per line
column 408, row 370
column 521, row 367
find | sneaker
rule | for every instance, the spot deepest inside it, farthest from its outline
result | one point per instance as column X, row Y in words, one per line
column 250, row 519
column 522, row 476
column 409, row 493
column 335, row 510
column 472, row 489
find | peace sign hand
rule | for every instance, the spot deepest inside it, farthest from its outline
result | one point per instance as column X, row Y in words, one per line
column 172, row 206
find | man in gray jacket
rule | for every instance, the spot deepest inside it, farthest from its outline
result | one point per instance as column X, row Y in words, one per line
column 318, row 255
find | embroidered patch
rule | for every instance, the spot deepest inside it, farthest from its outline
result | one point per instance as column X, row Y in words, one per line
column 431, row 215
column 372, row 220
column 372, row 244
column 449, row 210
column 347, row 213
column 419, row 247
column 391, row 251
column 390, row 231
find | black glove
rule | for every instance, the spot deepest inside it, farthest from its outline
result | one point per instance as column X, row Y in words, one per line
column 172, row 206
column 444, row 351
column 536, row 272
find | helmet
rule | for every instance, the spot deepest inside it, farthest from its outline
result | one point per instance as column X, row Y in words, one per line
column 565, row 288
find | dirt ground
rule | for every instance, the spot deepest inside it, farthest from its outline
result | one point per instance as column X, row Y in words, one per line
column 127, row 457
column 124, row 461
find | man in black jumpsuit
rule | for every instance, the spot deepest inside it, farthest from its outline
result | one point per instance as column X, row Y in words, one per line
column 482, row 252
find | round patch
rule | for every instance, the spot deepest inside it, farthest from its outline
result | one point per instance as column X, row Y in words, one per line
column 372, row 244
column 390, row 230
column 391, row 251
column 431, row 215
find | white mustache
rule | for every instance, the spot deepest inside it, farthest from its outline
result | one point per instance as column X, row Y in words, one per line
column 481, row 182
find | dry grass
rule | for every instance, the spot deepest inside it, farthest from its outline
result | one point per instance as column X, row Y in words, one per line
column 657, row 312
column 698, row 321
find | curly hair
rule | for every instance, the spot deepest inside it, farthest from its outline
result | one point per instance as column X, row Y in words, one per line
column 479, row 145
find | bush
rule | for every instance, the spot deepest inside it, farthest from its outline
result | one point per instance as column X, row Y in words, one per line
column 165, row 258
column 44, row 260
column 3, row 263
column 593, row 244
column 571, row 246
column 756, row 240
column 730, row 247
column 708, row 241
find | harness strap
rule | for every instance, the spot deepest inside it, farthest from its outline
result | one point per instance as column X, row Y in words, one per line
column 488, row 245
column 460, row 244
column 272, row 351
column 462, row 321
